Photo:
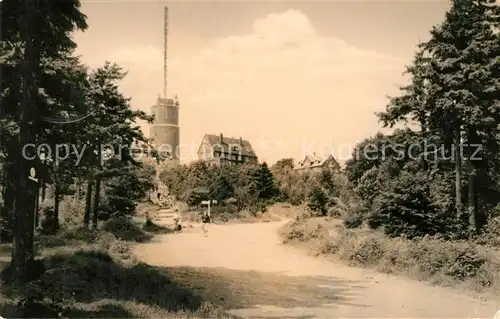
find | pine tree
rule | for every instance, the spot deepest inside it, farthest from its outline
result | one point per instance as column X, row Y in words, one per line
column 318, row 200
column 464, row 78
column 455, row 91
column 265, row 183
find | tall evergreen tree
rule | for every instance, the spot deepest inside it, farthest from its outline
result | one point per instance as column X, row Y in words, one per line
column 35, row 34
column 459, row 102
column 265, row 184
column 464, row 77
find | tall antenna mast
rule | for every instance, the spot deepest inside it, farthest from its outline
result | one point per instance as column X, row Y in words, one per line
column 165, row 54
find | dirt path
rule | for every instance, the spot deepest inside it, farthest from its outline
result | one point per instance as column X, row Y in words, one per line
column 245, row 268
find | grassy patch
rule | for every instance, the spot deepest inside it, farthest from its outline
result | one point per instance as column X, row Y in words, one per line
column 95, row 275
column 123, row 228
column 436, row 260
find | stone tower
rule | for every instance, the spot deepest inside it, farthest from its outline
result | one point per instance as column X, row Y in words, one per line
column 165, row 130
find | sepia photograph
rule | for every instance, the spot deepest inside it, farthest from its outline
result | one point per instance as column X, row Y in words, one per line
column 250, row 159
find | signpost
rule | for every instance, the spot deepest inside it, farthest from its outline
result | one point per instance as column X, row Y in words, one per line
column 208, row 203
column 35, row 190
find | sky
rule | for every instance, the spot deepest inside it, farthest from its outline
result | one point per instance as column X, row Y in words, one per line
column 294, row 78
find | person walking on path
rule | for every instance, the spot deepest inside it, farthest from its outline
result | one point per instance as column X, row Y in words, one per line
column 205, row 219
column 176, row 219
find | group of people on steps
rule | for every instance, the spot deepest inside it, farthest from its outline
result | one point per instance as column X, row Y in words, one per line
column 205, row 219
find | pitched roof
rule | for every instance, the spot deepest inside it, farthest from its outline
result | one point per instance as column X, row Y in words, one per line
column 225, row 146
column 312, row 161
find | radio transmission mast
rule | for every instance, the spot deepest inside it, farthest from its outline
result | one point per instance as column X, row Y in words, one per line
column 165, row 41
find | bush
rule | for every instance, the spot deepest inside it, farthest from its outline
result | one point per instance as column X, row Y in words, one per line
column 426, row 258
column 125, row 229
column 151, row 227
column 491, row 233
column 405, row 207
column 258, row 207
column 303, row 230
column 48, row 223
column 353, row 221
column 318, row 200
column 83, row 234
column 71, row 213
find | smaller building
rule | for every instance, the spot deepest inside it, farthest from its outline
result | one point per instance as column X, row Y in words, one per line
column 313, row 163
column 218, row 149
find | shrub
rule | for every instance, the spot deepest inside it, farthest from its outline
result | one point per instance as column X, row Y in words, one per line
column 71, row 213
column 426, row 258
column 123, row 228
column 151, row 227
column 491, row 233
column 318, row 200
column 48, row 223
column 83, row 234
column 353, row 221
column 405, row 208
column 306, row 229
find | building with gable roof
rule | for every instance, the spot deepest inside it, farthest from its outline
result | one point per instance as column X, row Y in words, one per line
column 314, row 163
column 218, row 149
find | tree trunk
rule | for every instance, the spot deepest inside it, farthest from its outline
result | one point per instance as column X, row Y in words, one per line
column 75, row 198
column 3, row 169
column 88, row 203
column 4, row 213
column 8, row 207
column 97, row 187
column 37, row 208
column 97, row 199
column 22, row 250
column 77, row 190
column 477, row 218
column 458, row 171
column 472, row 199
column 44, row 189
column 57, row 199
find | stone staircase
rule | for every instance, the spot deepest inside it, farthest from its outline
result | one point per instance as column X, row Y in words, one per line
column 166, row 202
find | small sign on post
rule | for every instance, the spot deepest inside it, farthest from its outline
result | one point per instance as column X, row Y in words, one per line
column 32, row 175
column 208, row 203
